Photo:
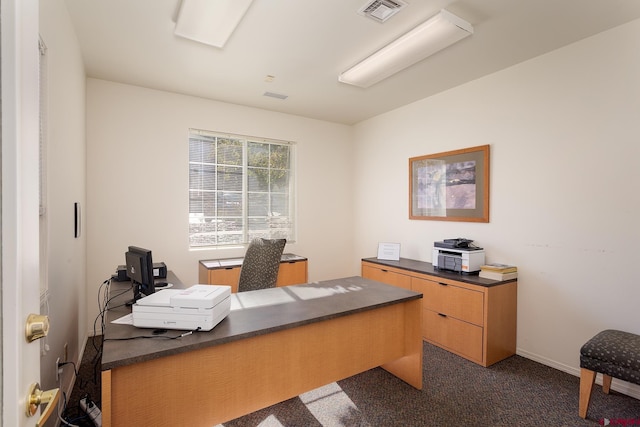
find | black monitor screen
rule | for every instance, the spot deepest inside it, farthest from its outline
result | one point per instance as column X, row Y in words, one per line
column 140, row 271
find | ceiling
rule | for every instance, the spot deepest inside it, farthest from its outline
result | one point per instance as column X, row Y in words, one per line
column 305, row 44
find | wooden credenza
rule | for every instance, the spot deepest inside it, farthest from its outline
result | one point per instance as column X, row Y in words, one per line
column 226, row 271
column 470, row 316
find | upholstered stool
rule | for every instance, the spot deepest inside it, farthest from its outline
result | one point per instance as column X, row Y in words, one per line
column 613, row 354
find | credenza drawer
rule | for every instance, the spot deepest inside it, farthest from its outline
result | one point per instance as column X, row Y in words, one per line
column 387, row 276
column 454, row 301
column 452, row 334
column 292, row 273
column 225, row 276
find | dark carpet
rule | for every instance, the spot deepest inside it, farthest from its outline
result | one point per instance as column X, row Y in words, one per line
column 456, row 392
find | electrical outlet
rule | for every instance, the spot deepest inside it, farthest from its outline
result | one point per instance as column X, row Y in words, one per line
column 58, row 369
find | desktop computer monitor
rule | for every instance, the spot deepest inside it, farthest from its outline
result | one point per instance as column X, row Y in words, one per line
column 140, row 271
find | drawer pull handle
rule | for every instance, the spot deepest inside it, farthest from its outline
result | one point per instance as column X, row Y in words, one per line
column 442, row 284
column 385, row 271
column 442, row 315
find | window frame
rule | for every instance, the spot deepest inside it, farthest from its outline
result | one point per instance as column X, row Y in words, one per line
column 211, row 179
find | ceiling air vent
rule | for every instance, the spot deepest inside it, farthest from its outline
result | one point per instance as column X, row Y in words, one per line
column 381, row 10
column 275, row 95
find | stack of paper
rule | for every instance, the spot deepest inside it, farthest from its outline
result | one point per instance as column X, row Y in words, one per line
column 498, row 271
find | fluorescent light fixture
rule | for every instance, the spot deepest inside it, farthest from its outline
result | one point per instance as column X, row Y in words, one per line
column 440, row 31
column 210, row 21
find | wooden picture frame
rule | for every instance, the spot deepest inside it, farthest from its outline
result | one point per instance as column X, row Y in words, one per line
column 450, row 186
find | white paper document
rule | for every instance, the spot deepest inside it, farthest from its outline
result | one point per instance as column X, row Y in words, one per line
column 389, row 251
column 124, row 320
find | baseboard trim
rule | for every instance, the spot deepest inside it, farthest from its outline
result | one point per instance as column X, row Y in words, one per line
column 620, row 386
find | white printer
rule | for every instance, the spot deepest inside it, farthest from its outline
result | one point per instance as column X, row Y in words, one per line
column 459, row 255
column 199, row 306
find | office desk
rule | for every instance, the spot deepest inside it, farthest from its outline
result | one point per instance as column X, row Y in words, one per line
column 275, row 344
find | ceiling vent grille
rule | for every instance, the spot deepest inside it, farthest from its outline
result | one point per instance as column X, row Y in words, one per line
column 381, row 10
column 275, row 95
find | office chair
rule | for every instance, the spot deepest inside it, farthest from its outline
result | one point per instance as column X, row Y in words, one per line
column 261, row 264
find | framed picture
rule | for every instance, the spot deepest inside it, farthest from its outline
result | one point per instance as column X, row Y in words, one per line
column 450, row 186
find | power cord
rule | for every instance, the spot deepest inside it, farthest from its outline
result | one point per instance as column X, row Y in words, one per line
column 155, row 336
column 65, row 422
column 82, row 416
column 62, row 403
column 89, row 413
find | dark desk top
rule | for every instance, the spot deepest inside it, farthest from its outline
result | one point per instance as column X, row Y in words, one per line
column 252, row 313
column 427, row 268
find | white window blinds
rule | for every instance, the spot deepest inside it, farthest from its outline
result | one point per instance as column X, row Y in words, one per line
column 239, row 188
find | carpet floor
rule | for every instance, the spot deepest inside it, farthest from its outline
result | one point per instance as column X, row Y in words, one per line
column 456, row 392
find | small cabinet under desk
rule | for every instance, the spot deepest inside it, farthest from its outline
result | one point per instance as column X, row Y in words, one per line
column 468, row 315
column 226, row 271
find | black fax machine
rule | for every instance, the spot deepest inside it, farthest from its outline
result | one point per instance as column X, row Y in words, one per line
column 459, row 255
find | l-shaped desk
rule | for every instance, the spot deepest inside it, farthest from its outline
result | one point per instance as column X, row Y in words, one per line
column 275, row 344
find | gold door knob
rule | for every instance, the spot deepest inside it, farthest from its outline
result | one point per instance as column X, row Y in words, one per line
column 38, row 397
column 37, row 327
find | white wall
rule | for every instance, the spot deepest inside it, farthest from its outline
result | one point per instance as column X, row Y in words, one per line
column 564, row 133
column 65, row 168
column 140, row 135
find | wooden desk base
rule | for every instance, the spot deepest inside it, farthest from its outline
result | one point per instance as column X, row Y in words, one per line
column 219, row 383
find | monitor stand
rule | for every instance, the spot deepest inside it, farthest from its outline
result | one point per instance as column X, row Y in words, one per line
column 136, row 295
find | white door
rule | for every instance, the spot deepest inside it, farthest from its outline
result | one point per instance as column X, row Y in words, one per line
column 19, row 201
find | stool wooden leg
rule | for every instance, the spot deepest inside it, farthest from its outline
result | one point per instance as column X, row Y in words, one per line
column 587, row 378
column 606, row 383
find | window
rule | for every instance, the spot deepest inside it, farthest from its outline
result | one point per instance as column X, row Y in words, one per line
column 240, row 188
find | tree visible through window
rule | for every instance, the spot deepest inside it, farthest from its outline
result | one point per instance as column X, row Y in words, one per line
column 239, row 188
